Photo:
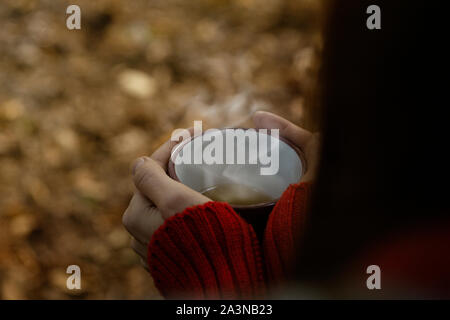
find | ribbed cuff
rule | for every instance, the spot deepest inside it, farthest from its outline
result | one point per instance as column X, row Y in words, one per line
column 207, row 251
column 284, row 232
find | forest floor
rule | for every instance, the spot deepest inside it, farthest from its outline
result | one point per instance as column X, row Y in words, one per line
column 76, row 107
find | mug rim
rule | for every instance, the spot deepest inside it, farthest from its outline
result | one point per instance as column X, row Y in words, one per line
column 172, row 172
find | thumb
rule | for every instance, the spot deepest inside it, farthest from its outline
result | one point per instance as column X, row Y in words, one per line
column 168, row 195
column 151, row 180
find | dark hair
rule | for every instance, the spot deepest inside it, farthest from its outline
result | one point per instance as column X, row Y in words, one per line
column 384, row 163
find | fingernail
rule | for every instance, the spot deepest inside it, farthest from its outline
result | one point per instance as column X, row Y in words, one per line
column 136, row 165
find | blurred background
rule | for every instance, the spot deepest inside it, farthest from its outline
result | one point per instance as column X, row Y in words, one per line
column 76, row 107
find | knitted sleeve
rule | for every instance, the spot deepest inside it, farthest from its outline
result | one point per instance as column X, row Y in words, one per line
column 283, row 232
column 206, row 252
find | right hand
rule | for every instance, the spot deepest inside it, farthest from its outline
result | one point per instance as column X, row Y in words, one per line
column 307, row 141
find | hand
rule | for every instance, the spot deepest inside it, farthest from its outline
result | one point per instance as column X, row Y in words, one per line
column 158, row 197
column 305, row 140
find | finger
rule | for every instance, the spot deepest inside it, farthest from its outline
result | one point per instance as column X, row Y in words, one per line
column 139, row 248
column 162, row 154
column 287, row 129
column 145, row 265
column 141, row 218
column 312, row 153
column 169, row 196
column 152, row 181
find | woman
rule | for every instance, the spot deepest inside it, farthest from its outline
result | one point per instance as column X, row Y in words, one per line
column 378, row 197
column 207, row 250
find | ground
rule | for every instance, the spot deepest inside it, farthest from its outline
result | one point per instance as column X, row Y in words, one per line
column 77, row 106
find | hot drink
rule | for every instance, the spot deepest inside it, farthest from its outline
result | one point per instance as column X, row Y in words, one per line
column 237, row 194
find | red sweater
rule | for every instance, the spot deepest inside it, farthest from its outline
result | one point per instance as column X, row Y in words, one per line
column 209, row 251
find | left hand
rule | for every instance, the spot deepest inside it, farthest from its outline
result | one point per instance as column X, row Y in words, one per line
column 158, row 197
